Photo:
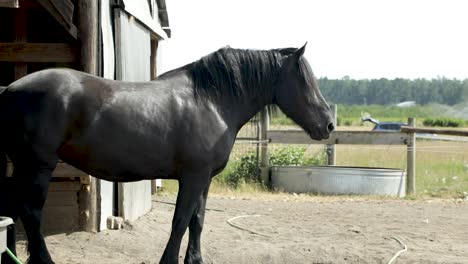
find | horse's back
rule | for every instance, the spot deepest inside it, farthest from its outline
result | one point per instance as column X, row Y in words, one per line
column 44, row 106
column 46, row 79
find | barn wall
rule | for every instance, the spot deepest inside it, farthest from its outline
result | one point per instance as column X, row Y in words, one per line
column 133, row 54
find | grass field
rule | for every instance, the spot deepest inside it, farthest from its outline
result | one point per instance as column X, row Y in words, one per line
column 441, row 166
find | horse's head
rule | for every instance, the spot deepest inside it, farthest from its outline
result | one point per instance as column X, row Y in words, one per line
column 298, row 96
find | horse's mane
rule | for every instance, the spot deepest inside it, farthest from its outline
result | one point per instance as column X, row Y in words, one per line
column 236, row 72
column 239, row 73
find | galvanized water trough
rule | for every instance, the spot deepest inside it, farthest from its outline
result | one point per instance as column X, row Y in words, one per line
column 339, row 180
column 4, row 222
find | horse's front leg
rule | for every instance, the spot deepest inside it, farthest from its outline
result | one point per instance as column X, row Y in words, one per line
column 193, row 254
column 191, row 187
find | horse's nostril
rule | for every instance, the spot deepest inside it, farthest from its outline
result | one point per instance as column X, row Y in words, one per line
column 330, row 127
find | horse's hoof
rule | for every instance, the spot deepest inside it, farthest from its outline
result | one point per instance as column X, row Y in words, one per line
column 166, row 260
column 193, row 260
column 40, row 261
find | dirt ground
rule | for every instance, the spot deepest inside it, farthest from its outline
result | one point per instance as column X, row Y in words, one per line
column 290, row 229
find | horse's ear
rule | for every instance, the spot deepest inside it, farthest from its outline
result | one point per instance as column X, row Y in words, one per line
column 293, row 58
column 299, row 52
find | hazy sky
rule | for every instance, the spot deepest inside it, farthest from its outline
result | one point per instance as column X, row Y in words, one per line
column 358, row 38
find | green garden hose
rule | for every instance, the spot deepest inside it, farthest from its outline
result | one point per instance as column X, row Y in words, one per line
column 13, row 257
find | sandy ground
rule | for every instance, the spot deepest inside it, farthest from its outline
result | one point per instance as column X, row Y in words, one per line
column 292, row 229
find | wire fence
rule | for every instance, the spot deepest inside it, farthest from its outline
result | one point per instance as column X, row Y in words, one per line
column 441, row 166
column 248, row 139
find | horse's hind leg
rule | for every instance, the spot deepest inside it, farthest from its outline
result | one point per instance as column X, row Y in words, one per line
column 35, row 173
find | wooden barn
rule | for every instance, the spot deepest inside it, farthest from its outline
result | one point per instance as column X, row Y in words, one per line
column 115, row 39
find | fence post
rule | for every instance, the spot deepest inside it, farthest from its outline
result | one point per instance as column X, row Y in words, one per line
column 88, row 31
column 411, row 159
column 331, row 154
column 264, row 159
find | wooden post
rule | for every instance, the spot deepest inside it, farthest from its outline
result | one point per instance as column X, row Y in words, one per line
column 153, row 59
column 264, row 158
column 88, row 36
column 21, row 31
column 331, row 154
column 411, row 160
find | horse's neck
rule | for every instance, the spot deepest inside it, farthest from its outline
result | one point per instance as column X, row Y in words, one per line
column 238, row 113
column 235, row 111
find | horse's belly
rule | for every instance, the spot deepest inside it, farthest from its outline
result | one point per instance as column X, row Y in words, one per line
column 113, row 164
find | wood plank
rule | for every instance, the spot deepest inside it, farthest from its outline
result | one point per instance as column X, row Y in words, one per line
column 339, row 137
column 67, row 171
column 37, row 52
column 65, row 186
column 62, row 198
column 62, row 170
column 52, row 9
column 65, row 8
column 57, row 219
column 9, row 3
column 60, row 218
column 30, row 4
column 439, row 131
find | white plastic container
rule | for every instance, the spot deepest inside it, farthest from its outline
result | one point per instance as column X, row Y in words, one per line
column 4, row 222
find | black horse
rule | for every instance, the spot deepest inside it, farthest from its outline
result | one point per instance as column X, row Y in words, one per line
column 181, row 126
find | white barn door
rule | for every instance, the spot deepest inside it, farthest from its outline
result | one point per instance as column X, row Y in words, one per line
column 106, row 195
column 133, row 51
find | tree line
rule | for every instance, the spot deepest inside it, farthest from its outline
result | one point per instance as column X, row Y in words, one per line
column 392, row 91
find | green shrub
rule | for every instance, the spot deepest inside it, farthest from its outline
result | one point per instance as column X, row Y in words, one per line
column 245, row 169
column 319, row 159
column 443, row 122
column 287, row 156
